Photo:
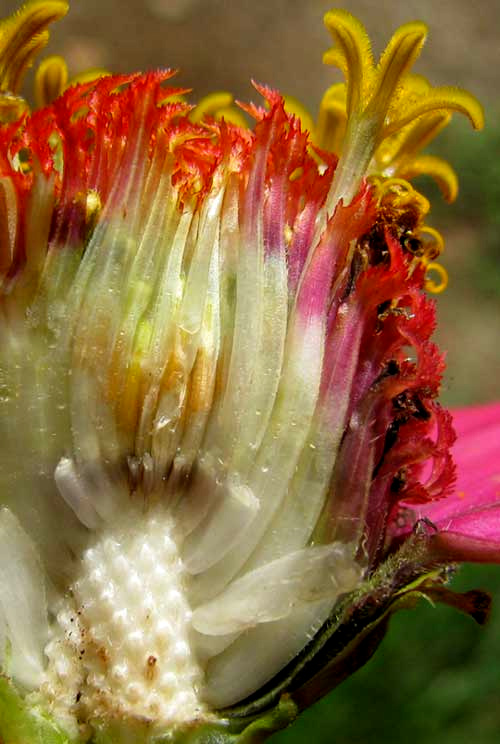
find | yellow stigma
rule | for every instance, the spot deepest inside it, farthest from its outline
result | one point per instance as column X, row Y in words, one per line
column 436, row 287
column 219, row 105
column 401, row 203
column 22, row 36
column 50, row 80
column 398, row 155
column 332, row 119
column 383, row 115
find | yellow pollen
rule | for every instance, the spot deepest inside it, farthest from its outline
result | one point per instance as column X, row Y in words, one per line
column 436, row 287
column 288, row 234
column 92, row 205
column 400, row 196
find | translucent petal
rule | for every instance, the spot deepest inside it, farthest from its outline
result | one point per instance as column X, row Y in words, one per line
column 259, row 654
column 277, row 458
column 272, row 591
column 23, row 606
column 35, row 431
column 235, row 509
column 75, row 492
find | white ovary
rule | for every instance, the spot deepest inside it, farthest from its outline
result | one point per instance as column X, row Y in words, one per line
column 126, row 641
column 120, row 644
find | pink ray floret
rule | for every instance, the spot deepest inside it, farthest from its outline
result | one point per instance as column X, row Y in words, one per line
column 468, row 519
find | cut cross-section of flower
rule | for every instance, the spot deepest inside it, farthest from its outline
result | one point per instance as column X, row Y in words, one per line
column 217, row 389
column 173, row 379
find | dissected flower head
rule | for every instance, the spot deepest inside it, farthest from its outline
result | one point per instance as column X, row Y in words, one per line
column 218, row 390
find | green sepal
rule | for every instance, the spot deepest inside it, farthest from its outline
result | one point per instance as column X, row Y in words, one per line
column 24, row 723
column 222, row 731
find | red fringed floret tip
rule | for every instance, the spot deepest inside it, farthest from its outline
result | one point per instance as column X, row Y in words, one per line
column 380, row 372
column 96, row 136
column 396, row 442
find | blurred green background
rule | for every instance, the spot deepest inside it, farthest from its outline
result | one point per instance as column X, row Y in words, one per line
column 436, row 678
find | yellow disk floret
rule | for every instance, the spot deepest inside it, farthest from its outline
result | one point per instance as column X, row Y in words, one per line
column 219, row 105
column 50, row 80
column 22, row 36
column 390, row 114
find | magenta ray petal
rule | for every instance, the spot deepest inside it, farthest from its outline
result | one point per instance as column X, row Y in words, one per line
column 468, row 520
